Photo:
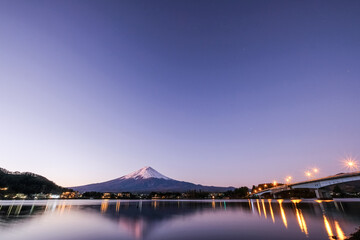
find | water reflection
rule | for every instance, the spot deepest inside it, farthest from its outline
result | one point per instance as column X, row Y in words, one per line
column 104, row 206
column 339, row 231
column 271, row 211
column 263, row 204
column 328, row 227
column 283, row 215
column 300, row 217
column 258, row 206
column 117, row 209
column 179, row 219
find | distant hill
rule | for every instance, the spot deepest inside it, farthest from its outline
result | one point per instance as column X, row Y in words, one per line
column 147, row 180
column 27, row 183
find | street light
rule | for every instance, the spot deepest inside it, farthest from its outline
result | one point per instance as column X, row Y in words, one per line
column 351, row 164
column 288, row 179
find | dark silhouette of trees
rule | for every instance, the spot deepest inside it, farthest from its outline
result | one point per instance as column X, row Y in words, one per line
column 241, row 192
column 28, row 184
column 93, row 195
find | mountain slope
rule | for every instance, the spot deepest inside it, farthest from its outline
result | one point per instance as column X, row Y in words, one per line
column 145, row 173
column 27, row 183
column 144, row 180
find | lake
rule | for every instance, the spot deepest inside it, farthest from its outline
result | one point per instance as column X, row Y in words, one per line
column 184, row 219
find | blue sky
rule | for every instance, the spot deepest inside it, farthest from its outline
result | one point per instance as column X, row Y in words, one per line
column 213, row 92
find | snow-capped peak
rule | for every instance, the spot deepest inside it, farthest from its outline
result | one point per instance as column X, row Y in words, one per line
column 144, row 173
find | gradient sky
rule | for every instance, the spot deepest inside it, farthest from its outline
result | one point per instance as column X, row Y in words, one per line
column 212, row 92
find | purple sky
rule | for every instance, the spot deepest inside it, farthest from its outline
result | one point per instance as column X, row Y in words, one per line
column 212, row 92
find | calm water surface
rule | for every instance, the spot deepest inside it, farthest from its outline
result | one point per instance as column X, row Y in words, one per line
column 243, row 219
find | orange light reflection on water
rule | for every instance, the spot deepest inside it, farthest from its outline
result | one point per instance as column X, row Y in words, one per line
column 271, row 211
column 283, row 216
column 328, row 227
column 263, row 204
column 339, row 232
column 304, row 223
column 300, row 218
column 321, row 201
column 118, row 206
column 258, row 206
column 104, row 206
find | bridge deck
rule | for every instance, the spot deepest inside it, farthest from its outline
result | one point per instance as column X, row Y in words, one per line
column 337, row 176
column 288, row 186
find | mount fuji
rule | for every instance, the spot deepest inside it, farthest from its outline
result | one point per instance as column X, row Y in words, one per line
column 146, row 180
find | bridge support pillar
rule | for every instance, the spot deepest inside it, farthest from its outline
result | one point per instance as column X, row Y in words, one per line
column 322, row 194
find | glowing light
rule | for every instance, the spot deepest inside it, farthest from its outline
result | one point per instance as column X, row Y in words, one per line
column 304, row 224
column 288, row 179
column 328, row 227
column 117, row 206
column 263, row 204
column 339, row 232
column 265, row 185
column 315, row 170
column 308, row 173
column 259, row 188
column 258, row 206
column 104, row 206
column 61, row 208
column 283, row 216
column 300, row 218
column 351, row 164
column 275, row 183
column 271, row 211
column 321, row 201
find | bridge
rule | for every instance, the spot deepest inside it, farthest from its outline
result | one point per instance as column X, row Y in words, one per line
column 316, row 184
